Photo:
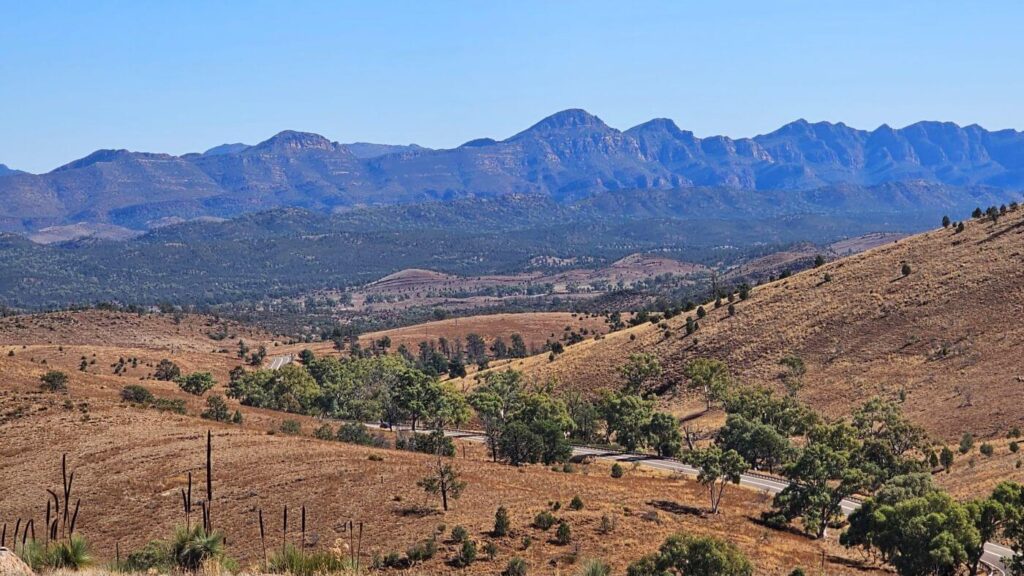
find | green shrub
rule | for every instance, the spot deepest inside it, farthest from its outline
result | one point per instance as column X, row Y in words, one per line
column 54, row 381
column 564, row 534
column 491, row 549
column 467, row 555
column 515, row 567
column 298, row 562
column 797, row 572
column 966, row 442
column 459, row 534
column 422, row 551
column 356, row 433
column 216, row 409
column 196, row 383
column 191, row 548
column 576, row 503
column 1014, row 432
column 155, row 556
column 136, row 394
column 617, row 470
column 987, row 449
column 1014, row 447
column 501, row 522
column 324, row 432
column 291, row 427
column 544, row 520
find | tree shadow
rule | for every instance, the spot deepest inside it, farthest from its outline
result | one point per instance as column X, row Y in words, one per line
column 677, row 508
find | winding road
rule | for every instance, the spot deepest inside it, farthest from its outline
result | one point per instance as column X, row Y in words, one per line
column 992, row 558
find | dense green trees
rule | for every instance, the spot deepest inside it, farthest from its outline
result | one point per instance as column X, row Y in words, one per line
column 761, row 445
column 687, row 555
column 522, row 425
column 196, row 383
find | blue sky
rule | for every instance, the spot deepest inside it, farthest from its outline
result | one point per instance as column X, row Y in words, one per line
column 185, row 76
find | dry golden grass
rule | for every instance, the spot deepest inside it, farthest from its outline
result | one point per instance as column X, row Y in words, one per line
column 535, row 327
column 131, row 463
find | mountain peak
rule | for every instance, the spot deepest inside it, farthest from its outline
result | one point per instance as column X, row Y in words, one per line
column 97, row 157
column 567, row 120
column 664, row 125
column 293, row 140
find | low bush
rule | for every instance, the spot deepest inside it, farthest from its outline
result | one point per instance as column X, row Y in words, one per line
column 544, row 520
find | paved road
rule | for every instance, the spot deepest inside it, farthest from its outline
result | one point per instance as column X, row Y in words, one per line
column 992, row 558
column 280, row 361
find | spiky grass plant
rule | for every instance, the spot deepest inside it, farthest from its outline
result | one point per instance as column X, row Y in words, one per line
column 71, row 554
column 191, row 548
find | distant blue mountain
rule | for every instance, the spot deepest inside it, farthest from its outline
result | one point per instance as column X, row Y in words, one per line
column 566, row 157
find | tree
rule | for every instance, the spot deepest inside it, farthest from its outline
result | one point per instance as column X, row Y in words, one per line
column 639, row 371
column 501, row 523
column 243, row 349
column 819, row 261
column 966, row 442
column 476, row 348
column 628, row 418
column 166, row 370
column 54, row 381
column 821, row 477
column 794, row 374
column 709, row 376
column 663, row 431
column 518, row 349
column 417, row 395
column 945, row 221
column 196, row 383
column 946, row 458
column 921, row 535
column 686, row 555
column 759, row 444
column 444, row 481
column 905, row 269
column 717, row 469
column 216, row 409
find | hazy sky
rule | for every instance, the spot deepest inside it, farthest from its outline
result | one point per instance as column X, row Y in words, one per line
column 184, row 76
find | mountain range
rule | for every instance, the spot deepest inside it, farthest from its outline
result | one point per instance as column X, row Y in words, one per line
column 569, row 156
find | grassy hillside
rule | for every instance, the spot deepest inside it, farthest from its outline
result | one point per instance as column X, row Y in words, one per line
column 130, row 464
column 946, row 337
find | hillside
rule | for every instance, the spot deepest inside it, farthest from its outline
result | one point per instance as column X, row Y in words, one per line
column 947, row 336
column 568, row 156
column 130, row 464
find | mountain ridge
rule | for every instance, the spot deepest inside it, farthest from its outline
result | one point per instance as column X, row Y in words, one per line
column 567, row 156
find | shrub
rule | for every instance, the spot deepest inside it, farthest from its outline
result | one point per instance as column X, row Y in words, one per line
column 987, row 449
column 154, row 556
column 54, row 381
column 491, row 549
column 595, row 567
column 564, row 534
column 467, row 555
column 72, row 554
column 905, row 270
column 175, row 405
column 515, row 567
column 617, row 470
column 236, row 418
column 216, row 409
column 166, row 370
column 196, row 383
column 1014, row 447
column 501, row 522
column 136, row 394
column 459, row 534
column 298, row 562
column 191, row 548
column 422, row 551
column 966, row 442
column 607, row 525
column 324, row 432
column 797, row 572
column 576, row 503
column 291, row 427
column 1014, row 432
column 356, row 433
column 544, row 520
